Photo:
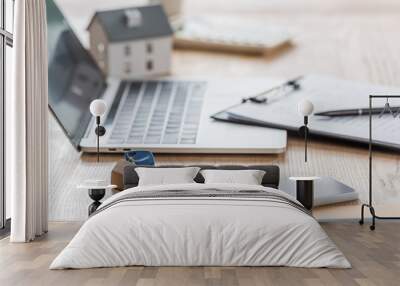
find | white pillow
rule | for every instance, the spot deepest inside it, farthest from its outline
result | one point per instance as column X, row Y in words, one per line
column 166, row 176
column 248, row 177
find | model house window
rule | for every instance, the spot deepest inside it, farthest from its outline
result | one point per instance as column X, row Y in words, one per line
column 6, row 43
column 149, row 65
column 127, row 50
column 149, row 48
column 128, row 68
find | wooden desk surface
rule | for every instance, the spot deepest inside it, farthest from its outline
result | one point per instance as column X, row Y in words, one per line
column 355, row 39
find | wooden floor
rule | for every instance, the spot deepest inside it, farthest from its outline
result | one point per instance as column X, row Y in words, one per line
column 375, row 257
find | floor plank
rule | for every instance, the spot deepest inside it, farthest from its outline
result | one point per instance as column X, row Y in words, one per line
column 375, row 257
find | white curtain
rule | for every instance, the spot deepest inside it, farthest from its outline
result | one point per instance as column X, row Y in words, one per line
column 26, row 117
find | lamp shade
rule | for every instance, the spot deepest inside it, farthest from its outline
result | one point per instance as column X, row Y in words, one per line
column 98, row 107
column 305, row 107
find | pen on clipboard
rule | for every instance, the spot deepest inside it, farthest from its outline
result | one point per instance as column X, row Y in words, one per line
column 353, row 112
column 262, row 97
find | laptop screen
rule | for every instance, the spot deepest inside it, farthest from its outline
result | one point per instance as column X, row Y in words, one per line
column 74, row 77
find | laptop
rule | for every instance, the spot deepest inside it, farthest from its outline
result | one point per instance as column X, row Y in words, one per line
column 165, row 115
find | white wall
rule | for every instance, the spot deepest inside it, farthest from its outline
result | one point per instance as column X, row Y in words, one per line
column 161, row 57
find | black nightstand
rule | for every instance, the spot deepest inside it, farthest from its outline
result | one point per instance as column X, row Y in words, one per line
column 305, row 190
column 96, row 190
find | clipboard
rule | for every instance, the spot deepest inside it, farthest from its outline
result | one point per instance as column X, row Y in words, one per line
column 326, row 93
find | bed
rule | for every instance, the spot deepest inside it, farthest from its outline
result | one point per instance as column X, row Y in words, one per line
column 198, row 224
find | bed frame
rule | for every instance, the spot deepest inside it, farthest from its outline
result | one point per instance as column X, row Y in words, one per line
column 270, row 179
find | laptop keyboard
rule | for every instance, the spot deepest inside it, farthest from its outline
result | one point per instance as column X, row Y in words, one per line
column 158, row 112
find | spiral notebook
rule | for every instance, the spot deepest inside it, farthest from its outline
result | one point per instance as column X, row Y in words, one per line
column 326, row 93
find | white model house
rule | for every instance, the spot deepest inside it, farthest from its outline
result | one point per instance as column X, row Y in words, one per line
column 132, row 43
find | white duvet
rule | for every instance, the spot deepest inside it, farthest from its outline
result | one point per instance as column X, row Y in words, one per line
column 200, row 231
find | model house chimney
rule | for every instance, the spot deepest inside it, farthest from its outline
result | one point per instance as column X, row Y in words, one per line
column 133, row 18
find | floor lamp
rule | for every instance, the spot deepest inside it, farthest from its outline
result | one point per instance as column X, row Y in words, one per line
column 98, row 107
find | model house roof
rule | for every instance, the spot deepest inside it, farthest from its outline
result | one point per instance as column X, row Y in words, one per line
column 134, row 23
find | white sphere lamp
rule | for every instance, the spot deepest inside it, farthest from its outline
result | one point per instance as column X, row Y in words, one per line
column 305, row 108
column 98, row 107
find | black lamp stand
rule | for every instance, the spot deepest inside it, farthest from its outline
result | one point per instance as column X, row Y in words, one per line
column 100, row 131
column 303, row 131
